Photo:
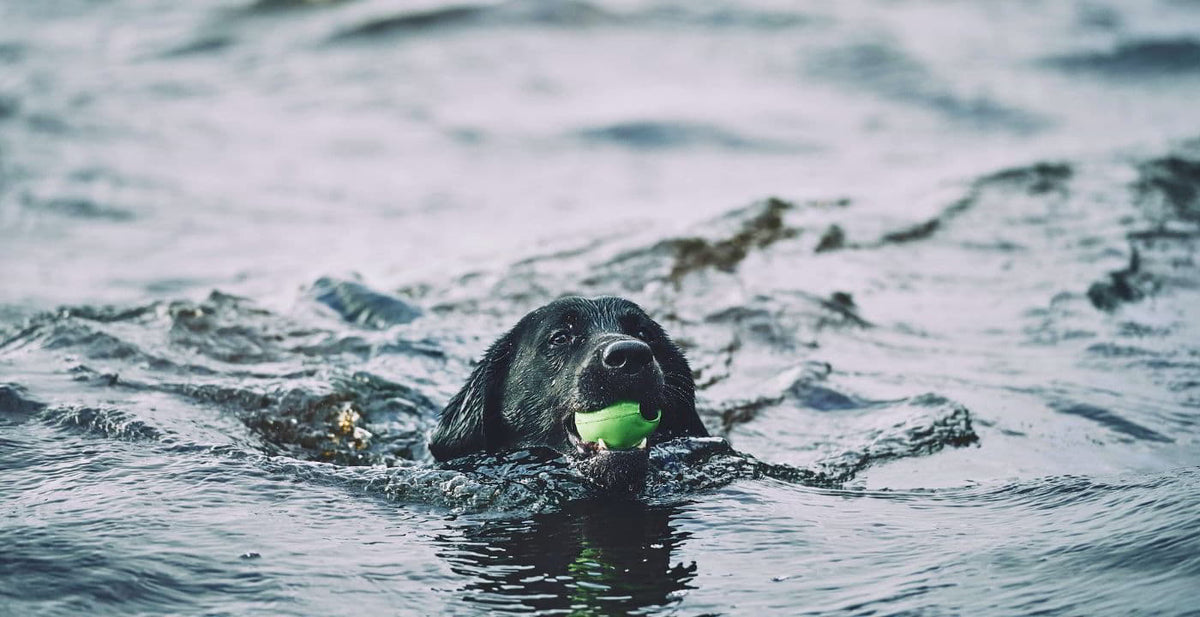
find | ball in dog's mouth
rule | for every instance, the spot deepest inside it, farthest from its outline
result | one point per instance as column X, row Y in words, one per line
column 624, row 425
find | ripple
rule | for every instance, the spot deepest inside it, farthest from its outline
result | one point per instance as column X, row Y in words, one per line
column 890, row 72
column 662, row 135
column 1139, row 59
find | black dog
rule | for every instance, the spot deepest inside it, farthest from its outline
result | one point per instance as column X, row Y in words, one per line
column 572, row 356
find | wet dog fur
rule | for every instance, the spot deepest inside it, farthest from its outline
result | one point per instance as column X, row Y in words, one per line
column 573, row 355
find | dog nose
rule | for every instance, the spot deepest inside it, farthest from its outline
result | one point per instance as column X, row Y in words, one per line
column 628, row 355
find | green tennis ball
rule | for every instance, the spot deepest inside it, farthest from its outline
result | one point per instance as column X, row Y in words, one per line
column 620, row 425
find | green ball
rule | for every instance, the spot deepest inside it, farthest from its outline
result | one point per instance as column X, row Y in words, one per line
column 620, row 425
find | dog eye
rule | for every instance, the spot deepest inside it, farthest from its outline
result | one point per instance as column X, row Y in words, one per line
column 560, row 337
column 635, row 327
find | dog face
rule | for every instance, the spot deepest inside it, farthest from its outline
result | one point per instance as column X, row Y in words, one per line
column 571, row 356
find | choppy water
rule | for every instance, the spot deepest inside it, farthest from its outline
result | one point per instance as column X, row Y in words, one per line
column 934, row 265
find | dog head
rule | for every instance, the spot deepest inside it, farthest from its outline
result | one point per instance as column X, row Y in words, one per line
column 569, row 357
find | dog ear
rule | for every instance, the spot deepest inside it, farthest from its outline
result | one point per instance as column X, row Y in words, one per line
column 472, row 417
column 680, row 419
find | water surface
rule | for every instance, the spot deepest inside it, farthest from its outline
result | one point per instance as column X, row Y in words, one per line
column 933, row 264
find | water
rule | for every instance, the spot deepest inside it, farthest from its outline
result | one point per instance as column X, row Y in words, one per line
column 934, row 266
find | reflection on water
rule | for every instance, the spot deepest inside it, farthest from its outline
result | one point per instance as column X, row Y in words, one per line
column 591, row 558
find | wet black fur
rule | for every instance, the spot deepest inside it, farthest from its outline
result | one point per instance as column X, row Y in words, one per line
column 531, row 381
